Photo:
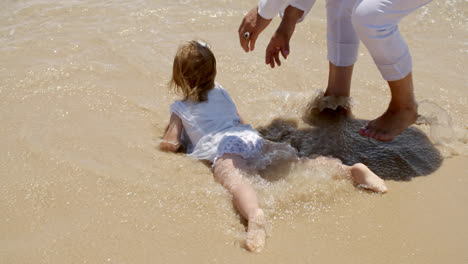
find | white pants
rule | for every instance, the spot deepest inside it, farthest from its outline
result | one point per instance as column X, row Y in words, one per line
column 375, row 23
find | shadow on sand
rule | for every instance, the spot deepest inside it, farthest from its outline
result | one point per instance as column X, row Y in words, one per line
column 334, row 133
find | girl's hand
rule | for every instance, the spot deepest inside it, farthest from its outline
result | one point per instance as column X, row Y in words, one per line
column 169, row 146
column 254, row 24
column 171, row 138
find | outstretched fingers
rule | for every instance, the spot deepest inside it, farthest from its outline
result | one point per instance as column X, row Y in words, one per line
column 272, row 56
column 278, row 43
column 277, row 60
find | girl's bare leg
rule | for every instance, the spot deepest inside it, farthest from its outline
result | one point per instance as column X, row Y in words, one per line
column 359, row 173
column 362, row 176
column 229, row 170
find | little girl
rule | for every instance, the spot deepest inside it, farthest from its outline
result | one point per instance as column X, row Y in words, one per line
column 207, row 123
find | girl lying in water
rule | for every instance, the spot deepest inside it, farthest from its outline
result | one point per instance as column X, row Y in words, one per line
column 206, row 120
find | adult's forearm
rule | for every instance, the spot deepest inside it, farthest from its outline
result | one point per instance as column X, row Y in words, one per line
column 304, row 5
column 292, row 14
column 270, row 8
column 290, row 18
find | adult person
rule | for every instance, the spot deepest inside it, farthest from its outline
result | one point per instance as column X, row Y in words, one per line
column 375, row 23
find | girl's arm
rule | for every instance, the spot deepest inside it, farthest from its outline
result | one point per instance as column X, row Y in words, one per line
column 242, row 119
column 171, row 138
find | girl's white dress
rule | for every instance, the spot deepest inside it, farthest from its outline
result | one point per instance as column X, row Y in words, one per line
column 213, row 127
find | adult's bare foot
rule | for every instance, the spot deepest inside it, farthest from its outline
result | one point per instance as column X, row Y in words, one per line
column 392, row 123
column 401, row 112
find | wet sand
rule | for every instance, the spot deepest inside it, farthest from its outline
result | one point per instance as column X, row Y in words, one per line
column 84, row 101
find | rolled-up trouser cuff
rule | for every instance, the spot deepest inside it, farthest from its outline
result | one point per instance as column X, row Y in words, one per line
column 342, row 54
column 398, row 70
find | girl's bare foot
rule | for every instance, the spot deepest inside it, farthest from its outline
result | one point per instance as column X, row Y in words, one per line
column 255, row 239
column 362, row 176
column 392, row 123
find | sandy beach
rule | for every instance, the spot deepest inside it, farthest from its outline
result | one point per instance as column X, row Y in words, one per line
column 84, row 102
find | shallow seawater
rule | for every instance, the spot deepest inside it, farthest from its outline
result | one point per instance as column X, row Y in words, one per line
column 84, row 103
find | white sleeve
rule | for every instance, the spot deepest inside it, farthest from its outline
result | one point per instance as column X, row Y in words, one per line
column 304, row 5
column 182, row 112
column 269, row 8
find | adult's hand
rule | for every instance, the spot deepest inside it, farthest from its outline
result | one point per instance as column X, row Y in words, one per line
column 254, row 24
column 280, row 40
column 278, row 43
